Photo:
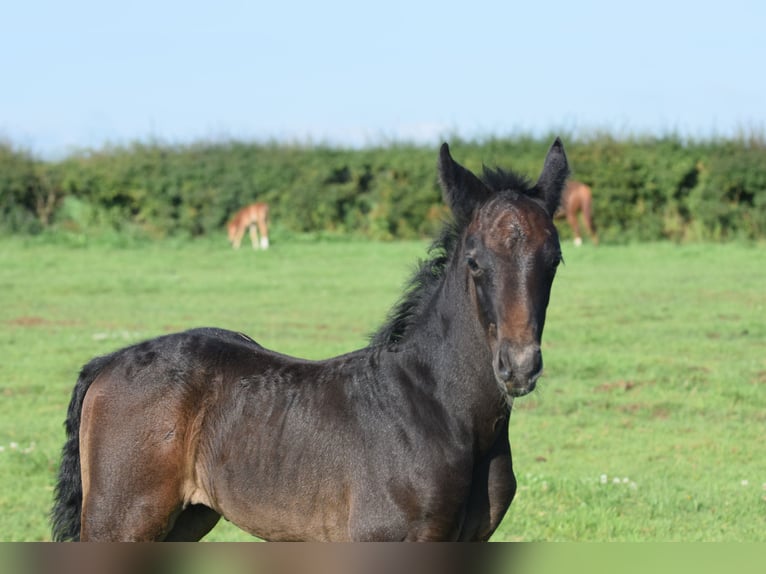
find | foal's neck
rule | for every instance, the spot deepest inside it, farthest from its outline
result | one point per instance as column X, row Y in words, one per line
column 450, row 340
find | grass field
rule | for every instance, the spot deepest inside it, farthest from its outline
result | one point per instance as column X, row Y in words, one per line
column 649, row 423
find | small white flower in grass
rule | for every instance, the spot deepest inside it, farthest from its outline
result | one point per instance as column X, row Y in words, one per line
column 625, row 480
column 745, row 482
column 13, row 445
column 2, row 448
column 604, row 479
column 616, row 480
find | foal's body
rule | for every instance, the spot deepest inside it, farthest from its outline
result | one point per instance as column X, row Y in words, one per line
column 406, row 439
column 248, row 422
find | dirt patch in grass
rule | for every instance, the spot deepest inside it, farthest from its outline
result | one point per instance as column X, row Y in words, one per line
column 33, row 321
column 615, row 386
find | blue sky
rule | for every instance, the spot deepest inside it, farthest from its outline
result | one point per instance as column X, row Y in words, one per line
column 82, row 73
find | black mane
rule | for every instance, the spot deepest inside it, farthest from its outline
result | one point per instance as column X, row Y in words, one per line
column 429, row 272
column 422, row 284
column 498, row 180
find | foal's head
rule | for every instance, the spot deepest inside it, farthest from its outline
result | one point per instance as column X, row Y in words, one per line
column 508, row 252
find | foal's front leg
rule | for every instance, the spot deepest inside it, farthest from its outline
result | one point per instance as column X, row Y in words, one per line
column 492, row 491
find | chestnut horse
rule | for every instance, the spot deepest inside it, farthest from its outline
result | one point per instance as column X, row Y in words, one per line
column 405, row 439
column 252, row 216
column 577, row 198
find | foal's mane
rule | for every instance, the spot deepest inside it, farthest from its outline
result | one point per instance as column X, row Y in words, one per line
column 430, row 272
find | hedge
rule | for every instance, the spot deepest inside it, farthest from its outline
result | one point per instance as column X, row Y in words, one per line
column 644, row 188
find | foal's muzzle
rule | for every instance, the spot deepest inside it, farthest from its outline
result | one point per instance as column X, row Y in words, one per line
column 517, row 367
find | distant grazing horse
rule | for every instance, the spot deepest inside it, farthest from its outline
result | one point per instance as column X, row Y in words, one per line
column 576, row 199
column 252, row 216
column 405, row 439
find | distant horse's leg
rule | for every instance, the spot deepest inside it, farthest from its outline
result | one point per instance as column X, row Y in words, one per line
column 572, row 219
column 587, row 213
column 238, row 237
column 193, row 523
column 264, row 231
column 253, row 236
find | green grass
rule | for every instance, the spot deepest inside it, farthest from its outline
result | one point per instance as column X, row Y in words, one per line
column 648, row 424
column 656, row 378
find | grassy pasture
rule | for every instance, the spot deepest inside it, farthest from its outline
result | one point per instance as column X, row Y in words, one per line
column 648, row 425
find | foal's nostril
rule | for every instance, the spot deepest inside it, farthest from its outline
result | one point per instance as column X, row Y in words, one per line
column 531, row 362
column 504, row 367
column 537, row 363
column 504, row 370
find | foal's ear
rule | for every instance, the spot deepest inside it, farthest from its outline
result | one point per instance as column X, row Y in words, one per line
column 462, row 190
column 553, row 177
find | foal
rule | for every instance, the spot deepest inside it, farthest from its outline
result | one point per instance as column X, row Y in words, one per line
column 252, row 216
column 405, row 439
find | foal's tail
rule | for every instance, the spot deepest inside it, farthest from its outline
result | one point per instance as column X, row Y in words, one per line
column 65, row 516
